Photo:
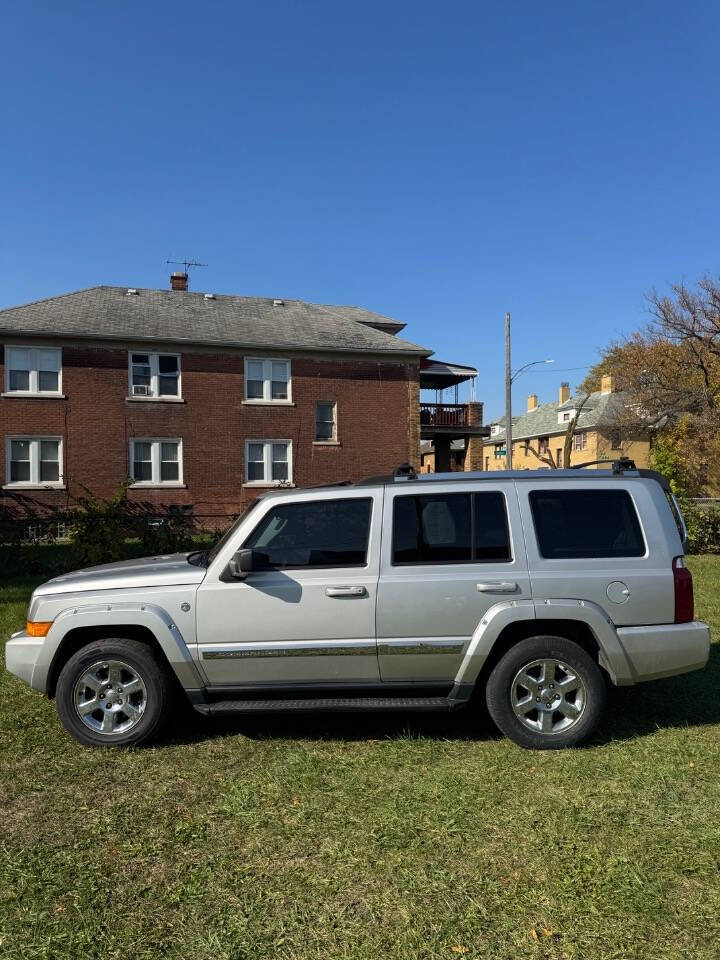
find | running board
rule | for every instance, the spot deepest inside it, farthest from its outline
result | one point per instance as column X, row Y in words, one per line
column 329, row 705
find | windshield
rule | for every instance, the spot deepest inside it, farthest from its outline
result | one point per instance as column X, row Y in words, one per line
column 213, row 552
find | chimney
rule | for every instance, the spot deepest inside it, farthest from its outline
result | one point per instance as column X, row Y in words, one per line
column 532, row 402
column 178, row 281
column 606, row 383
column 564, row 394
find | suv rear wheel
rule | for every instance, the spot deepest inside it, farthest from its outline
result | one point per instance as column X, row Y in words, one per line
column 546, row 693
column 113, row 693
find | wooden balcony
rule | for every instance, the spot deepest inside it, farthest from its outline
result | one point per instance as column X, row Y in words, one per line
column 447, row 419
column 443, row 414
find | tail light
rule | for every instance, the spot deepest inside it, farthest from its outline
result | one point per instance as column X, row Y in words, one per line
column 684, row 598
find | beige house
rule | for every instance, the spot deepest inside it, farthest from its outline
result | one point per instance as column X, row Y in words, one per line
column 542, row 427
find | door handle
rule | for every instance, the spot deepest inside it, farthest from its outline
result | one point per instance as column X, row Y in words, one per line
column 345, row 591
column 497, row 586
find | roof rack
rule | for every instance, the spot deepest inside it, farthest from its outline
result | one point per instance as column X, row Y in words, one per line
column 404, row 472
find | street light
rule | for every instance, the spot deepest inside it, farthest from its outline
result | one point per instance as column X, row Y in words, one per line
column 509, row 380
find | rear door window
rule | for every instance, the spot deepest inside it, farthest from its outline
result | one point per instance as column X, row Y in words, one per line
column 577, row 524
column 450, row 528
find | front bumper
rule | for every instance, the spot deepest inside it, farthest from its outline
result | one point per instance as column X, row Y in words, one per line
column 21, row 655
column 663, row 650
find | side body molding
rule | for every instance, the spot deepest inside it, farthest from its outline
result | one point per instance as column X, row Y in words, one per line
column 132, row 614
column 501, row 615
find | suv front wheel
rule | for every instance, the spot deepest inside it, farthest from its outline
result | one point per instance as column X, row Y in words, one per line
column 113, row 692
column 546, row 693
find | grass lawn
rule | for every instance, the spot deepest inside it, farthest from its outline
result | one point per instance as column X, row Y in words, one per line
column 366, row 837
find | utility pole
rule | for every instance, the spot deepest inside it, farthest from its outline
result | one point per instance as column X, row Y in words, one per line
column 508, row 396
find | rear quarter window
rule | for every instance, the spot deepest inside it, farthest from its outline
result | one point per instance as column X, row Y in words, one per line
column 584, row 524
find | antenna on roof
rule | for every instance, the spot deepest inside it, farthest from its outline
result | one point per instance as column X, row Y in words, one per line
column 186, row 264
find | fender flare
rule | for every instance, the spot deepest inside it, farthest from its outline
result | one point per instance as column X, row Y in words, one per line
column 149, row 615
column 612, row 654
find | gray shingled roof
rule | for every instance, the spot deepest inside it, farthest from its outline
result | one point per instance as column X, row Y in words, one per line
column 110, row 313
column 601, row 409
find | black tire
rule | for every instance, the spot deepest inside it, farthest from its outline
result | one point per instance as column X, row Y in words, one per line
column 591, row 706
column 155, row 698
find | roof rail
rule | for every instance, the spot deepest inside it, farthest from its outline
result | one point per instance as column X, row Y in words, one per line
column 618, row 466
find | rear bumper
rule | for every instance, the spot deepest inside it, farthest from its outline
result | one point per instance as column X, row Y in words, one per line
column 21, row 655
column 663, row 650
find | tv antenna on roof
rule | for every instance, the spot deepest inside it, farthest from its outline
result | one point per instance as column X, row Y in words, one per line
column 186, row 264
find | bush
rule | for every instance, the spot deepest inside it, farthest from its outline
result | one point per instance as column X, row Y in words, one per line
column 703, row 525
column 99, row 531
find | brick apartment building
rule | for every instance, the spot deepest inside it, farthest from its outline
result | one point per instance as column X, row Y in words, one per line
column 202, row 399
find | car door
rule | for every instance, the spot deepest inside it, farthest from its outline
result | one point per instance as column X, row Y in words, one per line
column 450, row 552
column 309, row 617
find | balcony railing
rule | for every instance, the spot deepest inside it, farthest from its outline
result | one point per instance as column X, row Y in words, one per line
column 443, row 415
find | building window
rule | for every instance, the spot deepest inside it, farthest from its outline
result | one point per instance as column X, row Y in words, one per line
column 267, row 381
column 498, row 451
column 543, row 444
column 34, row 461
column 156, row 462
column 615, row 438
column 325, row 422
column 580, row 440
column 487, row 463
column 35, row 370
column 559, row 457
column 268, row 462
column 155, row 375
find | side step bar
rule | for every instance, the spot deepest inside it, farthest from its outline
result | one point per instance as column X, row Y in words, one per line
column 329, row 705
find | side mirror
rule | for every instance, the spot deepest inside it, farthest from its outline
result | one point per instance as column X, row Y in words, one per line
column 246, row 561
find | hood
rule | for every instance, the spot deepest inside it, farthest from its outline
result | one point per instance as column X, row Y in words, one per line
column 170, row 570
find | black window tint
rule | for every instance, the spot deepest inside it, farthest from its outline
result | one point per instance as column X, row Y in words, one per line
column 432, row 529
column 586, row 523
column 322, row 533
column 492, row 540
column 450, row 528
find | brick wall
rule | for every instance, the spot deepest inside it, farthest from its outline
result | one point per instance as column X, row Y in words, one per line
column 377, row 418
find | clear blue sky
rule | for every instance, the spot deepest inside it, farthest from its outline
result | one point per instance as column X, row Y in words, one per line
column 438, row 162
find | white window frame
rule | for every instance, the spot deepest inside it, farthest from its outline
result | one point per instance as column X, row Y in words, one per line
column 33, row 390
column 267, row 464
column 155, row 450
column 267, row 381
column 494, row 429
column 580, row 440
column 154, row 361
column 333, row 440
column 34, row 483
column 565, row 416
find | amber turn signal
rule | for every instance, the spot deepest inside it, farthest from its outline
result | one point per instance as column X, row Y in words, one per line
column 38, row 628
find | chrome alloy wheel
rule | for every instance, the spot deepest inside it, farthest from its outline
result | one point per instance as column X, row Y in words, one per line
column 110, row 697
column 548, row 696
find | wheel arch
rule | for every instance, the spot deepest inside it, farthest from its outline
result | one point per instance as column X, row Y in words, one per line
column 509, row 622
column 576, row 630
column 80, row 637
column 150, row 624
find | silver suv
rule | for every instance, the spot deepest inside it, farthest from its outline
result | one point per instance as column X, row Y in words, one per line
column 535, row 589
